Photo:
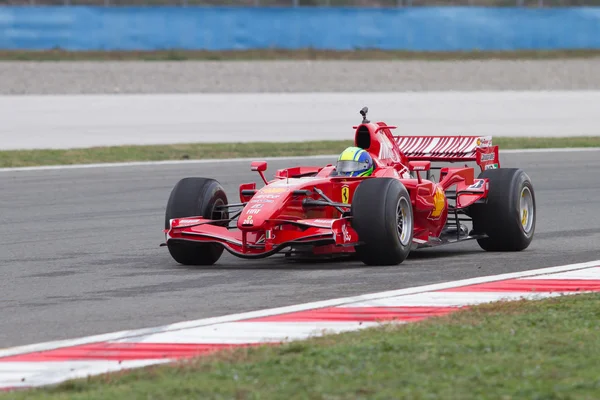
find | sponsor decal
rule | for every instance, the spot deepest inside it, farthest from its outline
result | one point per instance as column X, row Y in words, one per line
column 188, row 221
column 386, row 150
column 345, row 233
column 484, row 141
column 322, row 223
column 248, row 220
column 438, row 203
column 252, row 211
column 487, row 157
column 491, row 166
column 261, row 201
column 267, row 196
column 273, row 190
column 345, row 194
column 477, row 185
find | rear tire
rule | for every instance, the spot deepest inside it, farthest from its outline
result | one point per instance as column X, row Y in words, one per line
column 508, row 218
column 195, row 197
column 383, row 218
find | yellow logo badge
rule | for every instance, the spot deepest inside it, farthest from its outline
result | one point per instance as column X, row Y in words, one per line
column 345, row 194
column 438, row 203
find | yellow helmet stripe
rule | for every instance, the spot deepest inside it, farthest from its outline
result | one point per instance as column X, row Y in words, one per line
column 349, row 154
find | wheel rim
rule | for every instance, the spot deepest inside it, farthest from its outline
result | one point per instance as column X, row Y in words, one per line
column 217, row 213
column 404, row 221
column 526, row 210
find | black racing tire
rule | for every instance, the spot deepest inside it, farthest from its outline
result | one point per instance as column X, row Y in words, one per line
column 375, row 217
column 508, row 217
column 195, row 197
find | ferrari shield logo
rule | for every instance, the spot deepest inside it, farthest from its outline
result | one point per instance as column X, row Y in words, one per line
column 345, row 194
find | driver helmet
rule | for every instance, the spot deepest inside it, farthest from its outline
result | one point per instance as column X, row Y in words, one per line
column 354, row 161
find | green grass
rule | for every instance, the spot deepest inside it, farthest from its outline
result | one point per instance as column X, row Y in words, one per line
column 26, row 158
column 546, row 349
column 280, row 54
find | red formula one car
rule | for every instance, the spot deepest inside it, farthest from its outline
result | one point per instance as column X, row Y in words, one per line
column 312, row 210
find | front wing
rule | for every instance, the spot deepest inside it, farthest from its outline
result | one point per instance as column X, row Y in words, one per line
column 271, row 238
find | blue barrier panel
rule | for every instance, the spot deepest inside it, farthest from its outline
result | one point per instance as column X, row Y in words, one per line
column 223, row 28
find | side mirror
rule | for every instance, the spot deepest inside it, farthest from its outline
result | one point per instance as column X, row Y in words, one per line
column 419, row 165
column 260, row 166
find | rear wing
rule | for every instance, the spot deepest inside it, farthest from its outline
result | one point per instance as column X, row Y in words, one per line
column 450, row 149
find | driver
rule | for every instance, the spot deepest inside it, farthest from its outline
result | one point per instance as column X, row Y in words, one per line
column 354, row 161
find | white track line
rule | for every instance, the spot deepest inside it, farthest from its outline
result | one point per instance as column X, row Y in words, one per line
column 230, row 160
column 282, row 310
column 585, row 274
column 453, row 299
column 168, row 162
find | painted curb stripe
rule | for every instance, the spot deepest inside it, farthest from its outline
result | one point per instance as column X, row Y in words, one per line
column 22, row 375
column 370, row 314
column 246, row 332
column 56, row 362
column 533, row 285
column 124, row 352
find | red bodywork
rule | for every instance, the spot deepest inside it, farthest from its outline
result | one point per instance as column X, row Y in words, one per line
column 277, row 215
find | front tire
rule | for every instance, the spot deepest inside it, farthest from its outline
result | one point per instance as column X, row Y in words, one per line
column 508, row 218
column 383, row 218
column 195, row 197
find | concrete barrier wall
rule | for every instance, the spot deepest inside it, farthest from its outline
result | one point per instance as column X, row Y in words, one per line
column 222, row 28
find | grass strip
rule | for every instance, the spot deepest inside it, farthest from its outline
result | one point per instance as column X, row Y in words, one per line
column 27, row 158
column 281, row 54
column 546, row 349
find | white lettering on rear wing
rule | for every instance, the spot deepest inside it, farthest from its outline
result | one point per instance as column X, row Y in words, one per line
column 439, row 148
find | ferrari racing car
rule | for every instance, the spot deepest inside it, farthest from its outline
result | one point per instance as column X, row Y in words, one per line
column 380, row 201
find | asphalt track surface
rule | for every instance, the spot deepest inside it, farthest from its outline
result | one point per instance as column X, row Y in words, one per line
column 80, row 249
